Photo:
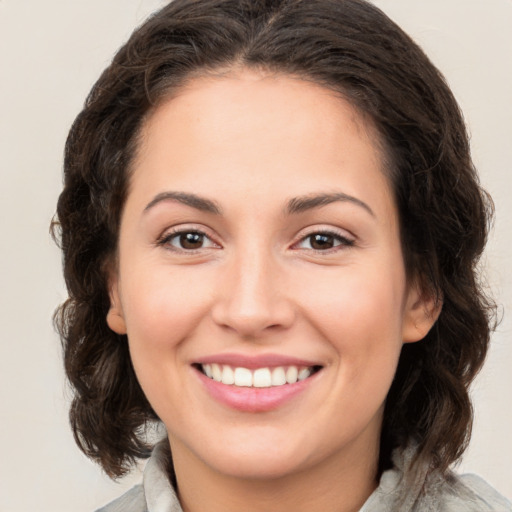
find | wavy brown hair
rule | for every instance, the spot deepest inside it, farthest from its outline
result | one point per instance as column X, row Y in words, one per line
column 348, row 46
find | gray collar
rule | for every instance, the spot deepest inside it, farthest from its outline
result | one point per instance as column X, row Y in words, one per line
column 416, row 493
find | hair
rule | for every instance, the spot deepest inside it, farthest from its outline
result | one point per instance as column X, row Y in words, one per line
column 350, row 47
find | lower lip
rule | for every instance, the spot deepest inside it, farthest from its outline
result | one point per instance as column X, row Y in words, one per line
column 249, row 399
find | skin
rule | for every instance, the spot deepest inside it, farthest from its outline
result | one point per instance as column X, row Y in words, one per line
column 250, row 142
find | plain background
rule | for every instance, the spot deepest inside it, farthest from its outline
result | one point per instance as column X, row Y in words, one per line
column 51, row 52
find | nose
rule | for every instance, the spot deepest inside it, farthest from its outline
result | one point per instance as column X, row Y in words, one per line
column 252, row 296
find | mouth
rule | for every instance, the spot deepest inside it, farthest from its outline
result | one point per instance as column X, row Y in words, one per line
column 263, row 377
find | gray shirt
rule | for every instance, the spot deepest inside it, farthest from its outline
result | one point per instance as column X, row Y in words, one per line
column 435, row 493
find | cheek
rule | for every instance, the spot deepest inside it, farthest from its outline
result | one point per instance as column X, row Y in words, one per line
column 360, row 316
column 162, row 307
column 357, row 297
column 162, row 310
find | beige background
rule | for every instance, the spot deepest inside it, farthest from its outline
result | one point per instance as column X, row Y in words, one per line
column 50, row 54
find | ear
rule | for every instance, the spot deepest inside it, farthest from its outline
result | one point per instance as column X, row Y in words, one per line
column 115, row 316
column 422, row 309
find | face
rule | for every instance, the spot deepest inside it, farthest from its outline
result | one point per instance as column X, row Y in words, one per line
column 260, row 277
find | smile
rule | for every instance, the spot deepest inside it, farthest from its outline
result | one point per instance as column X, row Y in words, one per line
column 264, row 377
column 256, row 384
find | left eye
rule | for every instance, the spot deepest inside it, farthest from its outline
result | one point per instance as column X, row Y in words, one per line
column 323, row 241
column 188, row 240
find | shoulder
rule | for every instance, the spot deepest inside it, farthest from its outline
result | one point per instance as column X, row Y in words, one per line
column 409, row 488
column 156, row 491
column 472, row 493
column 462, row 493
column 131, row 501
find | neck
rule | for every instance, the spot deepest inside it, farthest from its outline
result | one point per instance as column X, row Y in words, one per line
column 328, row 486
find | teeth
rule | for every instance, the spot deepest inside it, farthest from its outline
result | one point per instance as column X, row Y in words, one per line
column 278, row 376
column 216, row 372
column 292, row 374
column 262, row 378
column 243, row 377
column 259, row 378
column 228, row 376
column 304, row 373
column 207, row 368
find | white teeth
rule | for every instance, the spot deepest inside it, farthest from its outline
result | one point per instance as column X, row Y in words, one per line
column 262, row 378
column 228, row 376
column 304, row 373
column 216, row 372
column 259, row 378
column 278, row 376
column 291, row 374
column 243, row 377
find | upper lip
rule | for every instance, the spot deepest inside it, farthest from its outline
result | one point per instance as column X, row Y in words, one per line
column 256, row 361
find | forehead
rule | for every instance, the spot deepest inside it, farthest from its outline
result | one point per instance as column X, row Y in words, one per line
column 283, row 103
column 257, row 126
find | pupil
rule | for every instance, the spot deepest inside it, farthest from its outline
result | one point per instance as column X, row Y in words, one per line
column 322, row 241
column 191, row 240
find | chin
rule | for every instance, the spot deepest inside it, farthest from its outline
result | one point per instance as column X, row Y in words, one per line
column 258, row 467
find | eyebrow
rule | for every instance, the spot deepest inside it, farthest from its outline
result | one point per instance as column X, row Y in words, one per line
column 188, row 199
column 308, row 202
column 295, row 205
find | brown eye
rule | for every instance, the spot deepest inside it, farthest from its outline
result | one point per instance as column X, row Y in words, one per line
column 322, row 241
column 188, row 241
column 191, row 240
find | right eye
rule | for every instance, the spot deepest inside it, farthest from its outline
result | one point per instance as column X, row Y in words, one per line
column 324, row 241
column 187, row 240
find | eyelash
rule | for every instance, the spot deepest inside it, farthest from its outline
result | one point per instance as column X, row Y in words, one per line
column 340, row 241
column 167, row 238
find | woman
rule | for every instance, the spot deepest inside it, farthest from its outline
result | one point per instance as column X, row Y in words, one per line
column 270, row 225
